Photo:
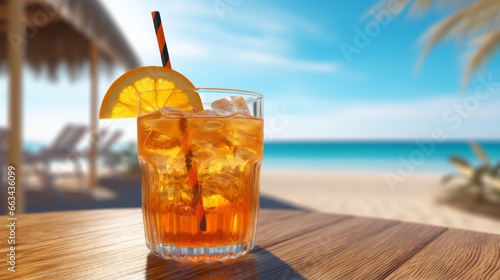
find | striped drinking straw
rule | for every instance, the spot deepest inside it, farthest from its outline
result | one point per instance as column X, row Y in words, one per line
column 191, row 166
column 160, row 37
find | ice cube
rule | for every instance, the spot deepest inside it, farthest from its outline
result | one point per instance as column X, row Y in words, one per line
column 222, row 179
column 223, row 183
column 162, row 144
column 205, row 113
column 231, row 106
column 172, row 112
column 203, row 151
column 199, row 113
column 245, row 153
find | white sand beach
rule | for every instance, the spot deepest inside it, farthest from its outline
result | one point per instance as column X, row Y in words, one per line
column 369, row 195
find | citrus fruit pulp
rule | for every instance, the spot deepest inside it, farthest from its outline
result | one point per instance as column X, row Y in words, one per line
column 150, row 88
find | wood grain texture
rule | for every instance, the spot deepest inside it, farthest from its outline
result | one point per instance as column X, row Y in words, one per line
column 274, row 215
column 109, row 244
column 51, row 226
column 253, row 265
column 285, row 259
column 457, row 254
column 77, row 244
column 374, row 257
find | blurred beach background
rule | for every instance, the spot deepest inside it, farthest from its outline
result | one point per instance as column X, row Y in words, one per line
column 356, row 121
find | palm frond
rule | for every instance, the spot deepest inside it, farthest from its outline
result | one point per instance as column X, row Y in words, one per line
column 423, row 5
column 485, row 21
column 496, row 183
column 382, row 5
column 477, row 177
column 489, row 44
column 495, row 171
column 446, row 179
column 451, row 25
column 470, row 19
column 480, row 153
column 465, row 187
column 462, row 165
column 497, row 192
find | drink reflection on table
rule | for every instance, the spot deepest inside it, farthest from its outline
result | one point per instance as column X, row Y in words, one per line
column 258, row 264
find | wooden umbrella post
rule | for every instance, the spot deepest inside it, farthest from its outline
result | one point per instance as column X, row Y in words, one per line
column 94, row 65
column 15, row 56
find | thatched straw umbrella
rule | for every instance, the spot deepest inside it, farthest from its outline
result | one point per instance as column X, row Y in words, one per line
column 45, row 34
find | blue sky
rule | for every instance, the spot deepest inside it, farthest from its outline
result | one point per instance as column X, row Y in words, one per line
column 291, row 52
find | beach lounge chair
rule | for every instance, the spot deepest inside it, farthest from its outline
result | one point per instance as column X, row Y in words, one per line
column 108, row 141
column 107, row 145
column 63, row 149
column 105, row 151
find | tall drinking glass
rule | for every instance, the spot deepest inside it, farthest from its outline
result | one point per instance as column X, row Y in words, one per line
column 200, row 176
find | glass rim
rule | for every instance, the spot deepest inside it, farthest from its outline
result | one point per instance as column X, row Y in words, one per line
column 243, row 91
column 215, row 90
column 249, row 96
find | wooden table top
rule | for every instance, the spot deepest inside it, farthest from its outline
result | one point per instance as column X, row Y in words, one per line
column 109, row 244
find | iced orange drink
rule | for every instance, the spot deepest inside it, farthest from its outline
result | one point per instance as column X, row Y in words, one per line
column 213, row 213
column 200, row 152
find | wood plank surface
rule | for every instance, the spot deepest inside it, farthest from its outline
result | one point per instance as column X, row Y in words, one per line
column 109, row 244
column 457, row 254
column 374, row 257
column 118, row 233
column 51, row 226
column 267, row 217
column 312, row 250
column 251, row 265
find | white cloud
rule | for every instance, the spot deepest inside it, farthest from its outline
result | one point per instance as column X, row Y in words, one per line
column 288, row 63
column 420, row 110
column 412, row 119
column 194, row 32
column 189, row 50
column 274, row 20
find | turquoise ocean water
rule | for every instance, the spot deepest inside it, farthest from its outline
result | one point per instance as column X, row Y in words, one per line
column 376, row 156
column 362, row 156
